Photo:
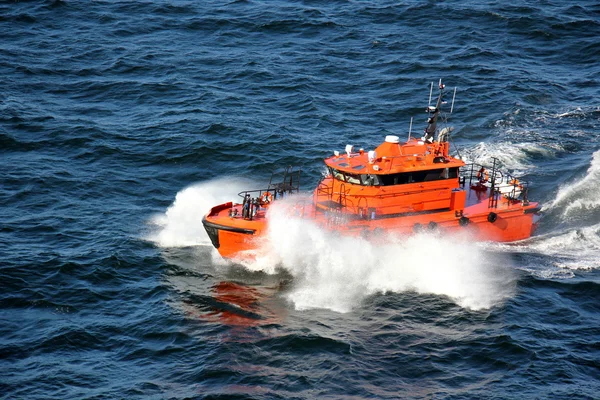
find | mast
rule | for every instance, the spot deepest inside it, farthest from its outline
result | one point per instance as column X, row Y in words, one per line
column 434, row 112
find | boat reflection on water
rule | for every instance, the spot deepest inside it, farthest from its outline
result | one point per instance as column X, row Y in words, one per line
column 223, row 294
column 234, row 303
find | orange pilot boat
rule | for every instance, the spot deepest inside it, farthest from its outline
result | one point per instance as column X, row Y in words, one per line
column 398, row 188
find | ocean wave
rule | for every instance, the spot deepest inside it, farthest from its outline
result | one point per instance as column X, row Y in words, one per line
column 579, row 199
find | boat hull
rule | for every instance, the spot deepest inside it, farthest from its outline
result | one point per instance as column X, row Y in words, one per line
column 230, row 240
column 236, row 237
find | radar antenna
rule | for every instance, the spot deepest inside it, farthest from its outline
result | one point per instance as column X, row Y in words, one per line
column 433, row 115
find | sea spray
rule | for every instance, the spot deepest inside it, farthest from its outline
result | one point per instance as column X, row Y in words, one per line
column 181, row 224
column 576, row 248
column 515, row 157
column 337, row 272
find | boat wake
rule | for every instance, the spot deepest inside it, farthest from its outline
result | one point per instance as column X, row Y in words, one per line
column 579, row 200
column 515, row 157
column 570, row 230
column 575, row 249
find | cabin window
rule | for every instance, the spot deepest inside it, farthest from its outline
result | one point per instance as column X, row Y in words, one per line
column 352, row 178
column 345, row 176
column 418, row 176
column 395, row 179
column 337, row 174
column 369, row 180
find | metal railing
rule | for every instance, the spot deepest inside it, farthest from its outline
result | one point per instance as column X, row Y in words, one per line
column 500, row 183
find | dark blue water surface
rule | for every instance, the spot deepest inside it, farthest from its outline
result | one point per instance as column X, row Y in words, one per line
column 122, row 122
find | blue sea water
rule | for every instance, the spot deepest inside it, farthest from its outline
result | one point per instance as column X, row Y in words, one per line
column 122, row 122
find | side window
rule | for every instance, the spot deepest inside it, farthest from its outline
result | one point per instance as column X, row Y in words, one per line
column 417, row 176
column 337, row 175
column 370, row 180
column 351, row 178
column 395, row 179
column 437, row 174
column 387, row 180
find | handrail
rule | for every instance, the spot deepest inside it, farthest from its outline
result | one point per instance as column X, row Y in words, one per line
column 260, row 192
column 497, row 176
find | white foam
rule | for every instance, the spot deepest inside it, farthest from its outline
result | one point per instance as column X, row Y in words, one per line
column 512, row 156
column 338, row 272
column 575, row 249
column 181, row 224
column 580, row 196
column 576, row 112
column 557, row 255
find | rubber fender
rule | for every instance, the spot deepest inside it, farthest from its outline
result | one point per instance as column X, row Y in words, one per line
column 432, row 225
column 417, row 227
column 492, row 217
column 464, row 221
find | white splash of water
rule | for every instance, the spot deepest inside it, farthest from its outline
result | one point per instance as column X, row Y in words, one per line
column 181, row 224
column 337, row 272
column 572, row 250
column 577, row 247
column 512, row 156
column 582, row 195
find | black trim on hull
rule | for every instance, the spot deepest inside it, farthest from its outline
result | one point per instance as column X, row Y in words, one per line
column 534, row 210
column 227, row 228
column 212, row 230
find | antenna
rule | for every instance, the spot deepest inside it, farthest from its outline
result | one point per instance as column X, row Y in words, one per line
column 430, row 91
column 453, row 96
column 410, row 128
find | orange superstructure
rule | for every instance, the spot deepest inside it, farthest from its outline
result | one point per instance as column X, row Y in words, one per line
column 398, row 187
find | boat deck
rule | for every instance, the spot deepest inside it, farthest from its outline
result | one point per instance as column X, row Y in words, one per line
column 480, row 201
